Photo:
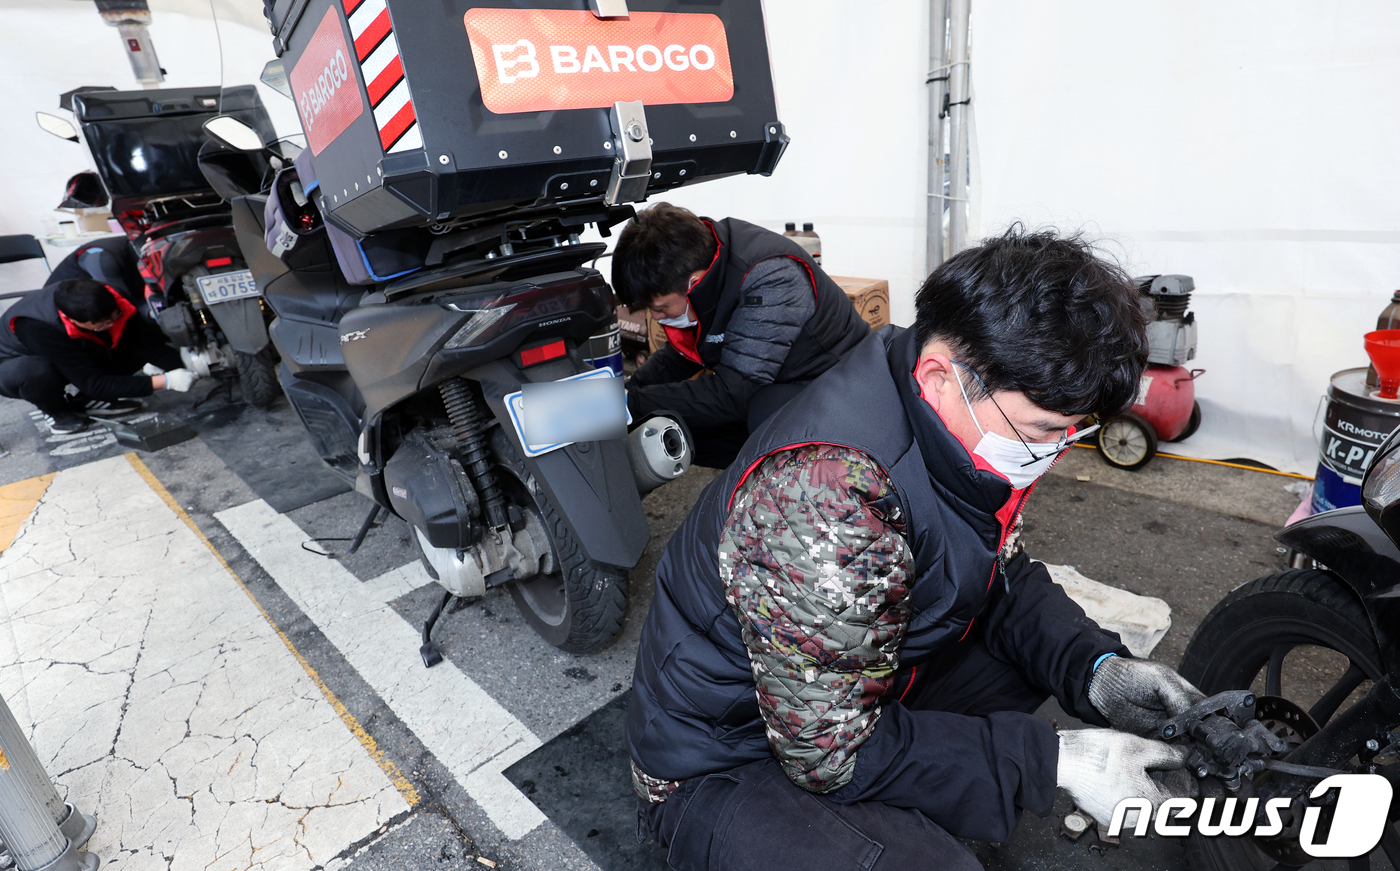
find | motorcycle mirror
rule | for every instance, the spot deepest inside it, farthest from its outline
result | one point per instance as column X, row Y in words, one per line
column 274, row 75
column 228, row 130
column 287, row 149
column 59, row 127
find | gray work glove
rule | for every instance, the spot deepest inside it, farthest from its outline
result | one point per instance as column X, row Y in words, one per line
column 1101, row 767
column 1138, row 695
column 181, row 380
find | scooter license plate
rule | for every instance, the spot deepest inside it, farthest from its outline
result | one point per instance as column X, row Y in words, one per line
column 560, row 415
column 226, row 286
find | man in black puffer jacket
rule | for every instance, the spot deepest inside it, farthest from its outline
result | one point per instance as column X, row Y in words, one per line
column 845, row 647
column 750, row 317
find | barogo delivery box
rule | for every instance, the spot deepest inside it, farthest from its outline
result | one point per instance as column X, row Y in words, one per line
column 434, row 112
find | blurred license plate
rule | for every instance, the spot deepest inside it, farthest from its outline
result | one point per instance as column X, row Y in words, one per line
column 227, row 285
column 553, row 414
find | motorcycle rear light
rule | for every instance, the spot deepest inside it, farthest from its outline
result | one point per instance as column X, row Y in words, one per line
column 552, row 351
column 548, row 304
column 483, row 320
column 1381, row 487
column 219, row 261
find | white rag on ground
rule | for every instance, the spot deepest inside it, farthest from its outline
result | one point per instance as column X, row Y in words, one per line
column 1140, row 621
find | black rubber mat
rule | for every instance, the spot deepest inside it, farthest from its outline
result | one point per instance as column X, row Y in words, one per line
column 270, row 451
column 582, row 782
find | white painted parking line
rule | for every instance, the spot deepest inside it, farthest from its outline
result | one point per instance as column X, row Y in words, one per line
column 162, row 700
column 457, row 721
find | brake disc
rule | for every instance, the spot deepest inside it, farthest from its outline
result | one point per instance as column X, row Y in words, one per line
column 1294, row 725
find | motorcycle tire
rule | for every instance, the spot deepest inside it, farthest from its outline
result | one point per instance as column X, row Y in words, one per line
column 578, row 608
column 1251, row 631
column 257, row 377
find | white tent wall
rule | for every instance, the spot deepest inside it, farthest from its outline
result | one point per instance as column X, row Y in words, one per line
column 51, row 46
column 1253, row 147
column 850, row 86
column 1250, row 147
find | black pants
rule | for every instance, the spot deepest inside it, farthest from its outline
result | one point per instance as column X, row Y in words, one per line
column 717, row 446
column 753, row 818
column 35, row 380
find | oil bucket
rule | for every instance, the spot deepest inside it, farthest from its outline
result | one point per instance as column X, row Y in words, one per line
column 1353, row 427
column 604, row 350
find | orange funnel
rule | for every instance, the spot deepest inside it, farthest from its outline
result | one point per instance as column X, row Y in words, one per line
column 1383, row 347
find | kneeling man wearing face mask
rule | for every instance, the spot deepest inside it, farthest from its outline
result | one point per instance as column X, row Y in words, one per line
column 750, row 320
column 846, row 645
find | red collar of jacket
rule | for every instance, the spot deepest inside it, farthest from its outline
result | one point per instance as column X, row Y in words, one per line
column 113, row 334
column 687, row 340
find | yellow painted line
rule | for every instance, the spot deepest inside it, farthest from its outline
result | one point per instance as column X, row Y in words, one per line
column 367, row 741
column 17, row 502
column 1221, row 463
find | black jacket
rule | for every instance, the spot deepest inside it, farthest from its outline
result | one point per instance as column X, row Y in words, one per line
column 767, row 314
column 111, row 261
column 694, row 709
column 93, row 362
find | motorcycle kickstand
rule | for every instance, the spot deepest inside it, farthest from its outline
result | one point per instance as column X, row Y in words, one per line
column 429, row 651
column 359, row 538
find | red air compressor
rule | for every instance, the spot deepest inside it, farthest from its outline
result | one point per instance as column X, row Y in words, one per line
column 1165, row 409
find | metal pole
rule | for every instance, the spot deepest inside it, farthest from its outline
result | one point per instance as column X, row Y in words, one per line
column 959, row 14
column 937, row 88
column 20, row 753
column 27, row 824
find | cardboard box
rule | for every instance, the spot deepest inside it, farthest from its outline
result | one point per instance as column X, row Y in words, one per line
column 870, row 296
column 656, row 334
column 634, row 326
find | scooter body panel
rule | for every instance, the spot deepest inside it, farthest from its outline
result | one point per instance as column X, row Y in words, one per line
column 1353, row 547
column 242, row 323
column 327, row 408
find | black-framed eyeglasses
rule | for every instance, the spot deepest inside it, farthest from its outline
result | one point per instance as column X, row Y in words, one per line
column 1065, row 442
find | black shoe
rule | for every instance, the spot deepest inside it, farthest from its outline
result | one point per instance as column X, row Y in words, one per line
column 66, row 422
column 104, row 407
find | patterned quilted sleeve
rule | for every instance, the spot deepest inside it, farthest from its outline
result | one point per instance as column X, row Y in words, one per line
column 817, row 577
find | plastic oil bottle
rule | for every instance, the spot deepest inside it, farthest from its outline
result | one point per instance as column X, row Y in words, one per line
column 810, row 242
column 1389, row 320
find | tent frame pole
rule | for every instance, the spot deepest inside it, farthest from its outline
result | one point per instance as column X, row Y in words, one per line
column 959, row 14
column 937, row 83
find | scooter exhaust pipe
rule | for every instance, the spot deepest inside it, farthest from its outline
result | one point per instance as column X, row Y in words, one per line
column 659, row 451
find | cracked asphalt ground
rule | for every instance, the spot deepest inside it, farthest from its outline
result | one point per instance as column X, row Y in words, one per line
column 156, row 662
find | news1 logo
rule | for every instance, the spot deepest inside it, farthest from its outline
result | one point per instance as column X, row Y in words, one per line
column 1359, row 817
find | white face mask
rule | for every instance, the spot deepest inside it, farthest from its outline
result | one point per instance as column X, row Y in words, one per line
column 682, row 322
column 1014, row 459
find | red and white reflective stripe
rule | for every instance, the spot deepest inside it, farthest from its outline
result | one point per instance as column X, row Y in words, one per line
column 382, row 68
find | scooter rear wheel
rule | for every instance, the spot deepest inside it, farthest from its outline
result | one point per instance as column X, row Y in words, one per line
column 580, row 606
column 1299, row 634
column 257, row 377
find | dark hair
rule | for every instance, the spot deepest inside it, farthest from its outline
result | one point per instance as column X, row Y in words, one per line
column 82, row 299
column 656, row 251
column 1042, row 314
